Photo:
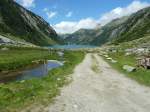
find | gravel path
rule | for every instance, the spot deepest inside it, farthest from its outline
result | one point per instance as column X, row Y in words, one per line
column 105, row 91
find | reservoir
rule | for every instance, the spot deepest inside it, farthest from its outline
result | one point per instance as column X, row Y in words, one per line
column 74, row 46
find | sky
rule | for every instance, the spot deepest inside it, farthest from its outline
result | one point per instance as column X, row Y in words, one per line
column 68, row 16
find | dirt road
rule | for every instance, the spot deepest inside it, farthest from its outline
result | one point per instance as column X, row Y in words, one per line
column 103, row 91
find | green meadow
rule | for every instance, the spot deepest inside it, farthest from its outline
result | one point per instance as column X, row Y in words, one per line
column 141, row 75
column 15, row 96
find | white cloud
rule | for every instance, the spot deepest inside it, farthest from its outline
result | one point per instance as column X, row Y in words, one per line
column 50, row 14
column 70, row 27
column 45, row 9
column 69, row 14
column 120, row 12
column 27, row 3
column 88, row 23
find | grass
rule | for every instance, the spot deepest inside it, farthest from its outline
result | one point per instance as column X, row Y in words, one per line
column 15, row 58
column 16, row 96
column 141, row 75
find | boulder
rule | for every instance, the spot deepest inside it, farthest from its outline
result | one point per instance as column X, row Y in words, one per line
column 113, row 61
column 109, row 58
column 60, row 54
column 106, row 56
column 127, row 54
column 129, row 68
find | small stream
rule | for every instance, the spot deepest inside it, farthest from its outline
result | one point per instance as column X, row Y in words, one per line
column 38, row 71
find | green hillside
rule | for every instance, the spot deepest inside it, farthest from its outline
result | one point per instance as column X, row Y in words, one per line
column 16, row 21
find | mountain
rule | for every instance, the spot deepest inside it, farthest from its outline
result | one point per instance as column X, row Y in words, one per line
column 16, row 22
column 119, row 30
column 97, row 36
column 82, row 36
column 136, row 26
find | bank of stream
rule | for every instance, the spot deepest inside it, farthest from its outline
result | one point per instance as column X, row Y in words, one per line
column 38, row 70
column 18, row 95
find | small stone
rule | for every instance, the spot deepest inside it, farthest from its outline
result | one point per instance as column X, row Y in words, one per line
column 129, row 68
column 106, row 56
column 58, row 79
column 127, row 54
column 109, row 58
column 22, row 81
column 75, row 106
column 113, row 61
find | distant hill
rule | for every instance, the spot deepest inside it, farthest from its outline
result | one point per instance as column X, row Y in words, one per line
column 119, row 30
column 82, row 36
column 17, row 22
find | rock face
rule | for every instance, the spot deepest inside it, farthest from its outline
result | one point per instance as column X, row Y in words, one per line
column 21, row 23
column 119, row 30
column 5, row 40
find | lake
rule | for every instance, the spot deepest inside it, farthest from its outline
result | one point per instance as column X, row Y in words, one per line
column 72, row 46
column 38, row 71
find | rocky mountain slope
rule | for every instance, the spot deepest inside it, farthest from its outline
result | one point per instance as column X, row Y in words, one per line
column 22, row 24
column 119, row 30
column 82, row 36
column 136, row 26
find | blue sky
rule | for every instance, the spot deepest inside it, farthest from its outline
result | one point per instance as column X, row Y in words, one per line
column 67, row 16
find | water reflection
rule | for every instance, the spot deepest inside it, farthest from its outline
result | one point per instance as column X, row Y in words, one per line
column 38, row 71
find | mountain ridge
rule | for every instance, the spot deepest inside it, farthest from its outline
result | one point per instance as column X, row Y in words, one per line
column 127, row 28
column 26, row 25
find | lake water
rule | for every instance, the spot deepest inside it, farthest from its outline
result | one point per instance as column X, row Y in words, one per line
column 35, row 72
column 72, row 46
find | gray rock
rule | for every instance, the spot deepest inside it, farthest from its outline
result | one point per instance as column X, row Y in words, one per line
column 60, row 54
column 129, row 68
column 109, row 58
column 127, row 54
column 106, row 56
column 113, row 61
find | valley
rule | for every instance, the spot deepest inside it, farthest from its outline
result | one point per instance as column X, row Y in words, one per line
column 102, row 68
column 120, row 30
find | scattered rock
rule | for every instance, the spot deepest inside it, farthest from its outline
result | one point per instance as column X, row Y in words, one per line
column 58, row 79
column 106, row 56
column 127, row 54
column 60, row 54
column 113, row 61
column 109, row 58
column 22, row 81
column 129, row 68
column 5, row 49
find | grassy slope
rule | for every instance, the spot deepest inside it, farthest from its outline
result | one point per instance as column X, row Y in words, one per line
column 136, row 43
column 140, row 75
column 20, row 57
column 15, row 23
column 17, row 95
column 137, row 26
